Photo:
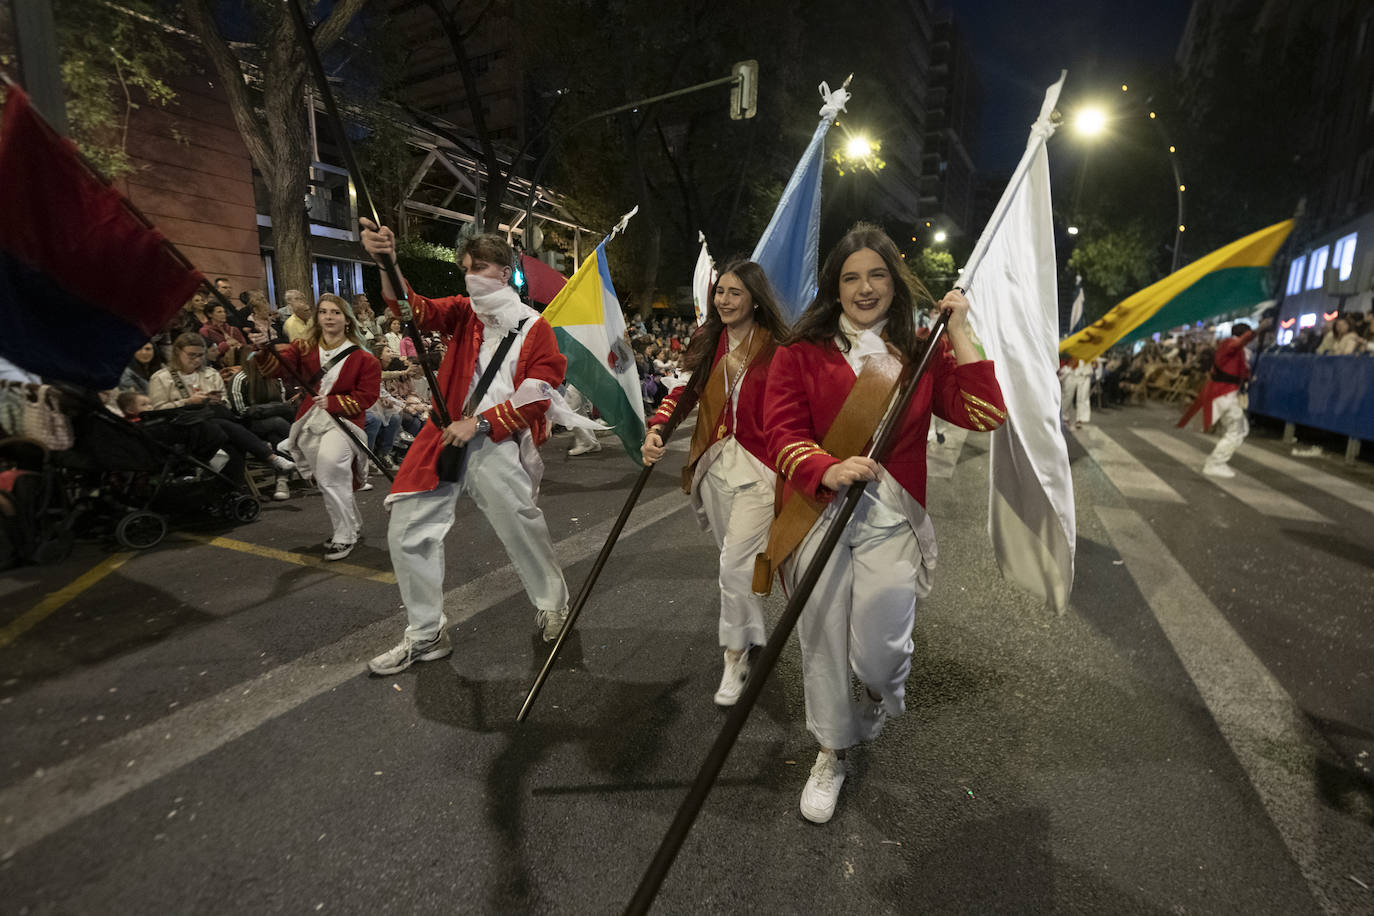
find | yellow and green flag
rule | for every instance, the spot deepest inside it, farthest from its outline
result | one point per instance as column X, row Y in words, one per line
column 590, row 328
column 1231, row 278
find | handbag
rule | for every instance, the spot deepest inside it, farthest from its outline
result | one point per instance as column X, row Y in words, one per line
column 45, row 421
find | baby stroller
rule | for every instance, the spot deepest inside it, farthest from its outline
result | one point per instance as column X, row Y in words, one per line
column 128, row 478
column 35, row 521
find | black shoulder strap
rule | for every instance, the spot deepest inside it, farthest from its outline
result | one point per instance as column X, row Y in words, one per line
column 337, row 358
column 489, row 373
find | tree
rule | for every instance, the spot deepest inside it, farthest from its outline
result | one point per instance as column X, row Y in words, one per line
column 1114, row 263
column 114, row 60
column 277, row 135
column 934, row 267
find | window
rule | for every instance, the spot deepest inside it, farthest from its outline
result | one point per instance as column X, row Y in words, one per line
column 1295, row 275
column 1316, row 268
column 1308, row 320
column 1343, row 255
column 1285, row 337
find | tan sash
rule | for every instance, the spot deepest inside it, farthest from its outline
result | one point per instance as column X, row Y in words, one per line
column 711, row 408
column 853, row 429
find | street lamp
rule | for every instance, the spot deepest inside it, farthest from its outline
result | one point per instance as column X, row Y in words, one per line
column 858, row 152
column 858, row 147
column 1091, row 122
column 1073, row 230
column 940, row 237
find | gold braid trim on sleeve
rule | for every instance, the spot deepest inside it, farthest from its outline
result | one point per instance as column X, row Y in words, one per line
column 979, row 402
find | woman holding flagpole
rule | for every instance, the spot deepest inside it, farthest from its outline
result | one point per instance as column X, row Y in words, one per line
column 347, row 380
column 827, row 389
column 729, row 476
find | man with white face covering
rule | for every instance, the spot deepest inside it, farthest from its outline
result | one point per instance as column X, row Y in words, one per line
column 501, row 432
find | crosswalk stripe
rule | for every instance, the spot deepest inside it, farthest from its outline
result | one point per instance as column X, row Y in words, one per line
column 1345, row 490
column 1126, row 472
column 1263, row 499
column 1266, row 730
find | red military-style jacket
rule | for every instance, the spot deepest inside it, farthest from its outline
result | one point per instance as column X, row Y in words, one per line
column 808, row 384
column 353, row 392
column 747, row 424
column 537, row 358
column 1229, row 359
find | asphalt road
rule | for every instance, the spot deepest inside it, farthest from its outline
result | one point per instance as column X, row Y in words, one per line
column 191, row 729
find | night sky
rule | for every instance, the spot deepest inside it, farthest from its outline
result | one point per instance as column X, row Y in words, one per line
column 1019, row 47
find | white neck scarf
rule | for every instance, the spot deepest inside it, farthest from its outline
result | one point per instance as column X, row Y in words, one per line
column 862, row 343
column 496, row 304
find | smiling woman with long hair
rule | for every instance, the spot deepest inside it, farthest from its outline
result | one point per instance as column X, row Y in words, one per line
column 827, row 389
column 347, row 380
column 728, row 474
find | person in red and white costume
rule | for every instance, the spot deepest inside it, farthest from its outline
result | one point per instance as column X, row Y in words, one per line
column 860, row 615
column 502, row 433
column 345, row 378
column 1220, row 399
column 732, row 478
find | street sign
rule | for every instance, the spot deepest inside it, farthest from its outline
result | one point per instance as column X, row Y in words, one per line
column 744, row 95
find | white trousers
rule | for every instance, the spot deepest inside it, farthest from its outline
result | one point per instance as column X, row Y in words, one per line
column 324, row 452
column 502, row 489
column 1227, row 413
column 739, row 518
column 1076, row 388
column 858, row 618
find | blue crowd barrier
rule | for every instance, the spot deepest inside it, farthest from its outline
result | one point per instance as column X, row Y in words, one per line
column 1335, row 393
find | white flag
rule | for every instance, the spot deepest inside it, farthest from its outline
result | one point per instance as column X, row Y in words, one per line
column 703, row 282
column 1014, row 303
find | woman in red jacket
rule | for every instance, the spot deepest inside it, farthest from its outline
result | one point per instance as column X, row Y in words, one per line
column 346, row 380
column 826, row 391
column 728, row 475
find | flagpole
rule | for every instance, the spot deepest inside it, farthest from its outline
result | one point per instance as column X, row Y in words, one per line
column 739, row 713
column 1045, row 125
column 575, row 609
column 387, row 264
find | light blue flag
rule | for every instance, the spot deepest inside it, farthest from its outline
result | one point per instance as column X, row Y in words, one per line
column 788, row 252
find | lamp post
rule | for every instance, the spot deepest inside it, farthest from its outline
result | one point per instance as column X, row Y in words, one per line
column 1092, row 121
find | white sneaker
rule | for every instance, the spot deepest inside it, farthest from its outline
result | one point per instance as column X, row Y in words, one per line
column 732, row 681
column 551, row 623
column 283, row 490
column 337, row 551
column 367, row 485
column 584, row 449
column 1217, row 470
column 283, row 465
column 398, row 659
column 822, row 788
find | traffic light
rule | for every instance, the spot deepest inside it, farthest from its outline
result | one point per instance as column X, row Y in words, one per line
column 744, row 94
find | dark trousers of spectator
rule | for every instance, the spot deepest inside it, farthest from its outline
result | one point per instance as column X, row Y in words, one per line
column 411, row 423
column 239, row 443
column 271, row 430
column 381, row 434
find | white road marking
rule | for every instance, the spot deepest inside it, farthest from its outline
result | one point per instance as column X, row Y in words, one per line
column 1124, row 470
column 1271, row 738
column 1263, row 499
column 44, row 804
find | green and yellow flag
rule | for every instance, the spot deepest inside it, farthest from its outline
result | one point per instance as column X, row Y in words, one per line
column 1230, row 278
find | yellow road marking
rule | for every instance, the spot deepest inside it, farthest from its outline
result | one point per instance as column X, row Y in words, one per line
column 40, row 611
column 298, row 559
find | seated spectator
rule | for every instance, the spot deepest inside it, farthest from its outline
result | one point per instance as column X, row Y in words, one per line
column 186, row 382
column 136, row 376
column 298, row 324
column 393, row 334
column 382, row 424
column 369, row 329
column 260, row 325
column 132, row 404
column 223, row 342
column 1341, row 340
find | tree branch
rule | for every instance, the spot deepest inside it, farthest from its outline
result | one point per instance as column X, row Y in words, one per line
column 329, row 31
column 230, row 72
